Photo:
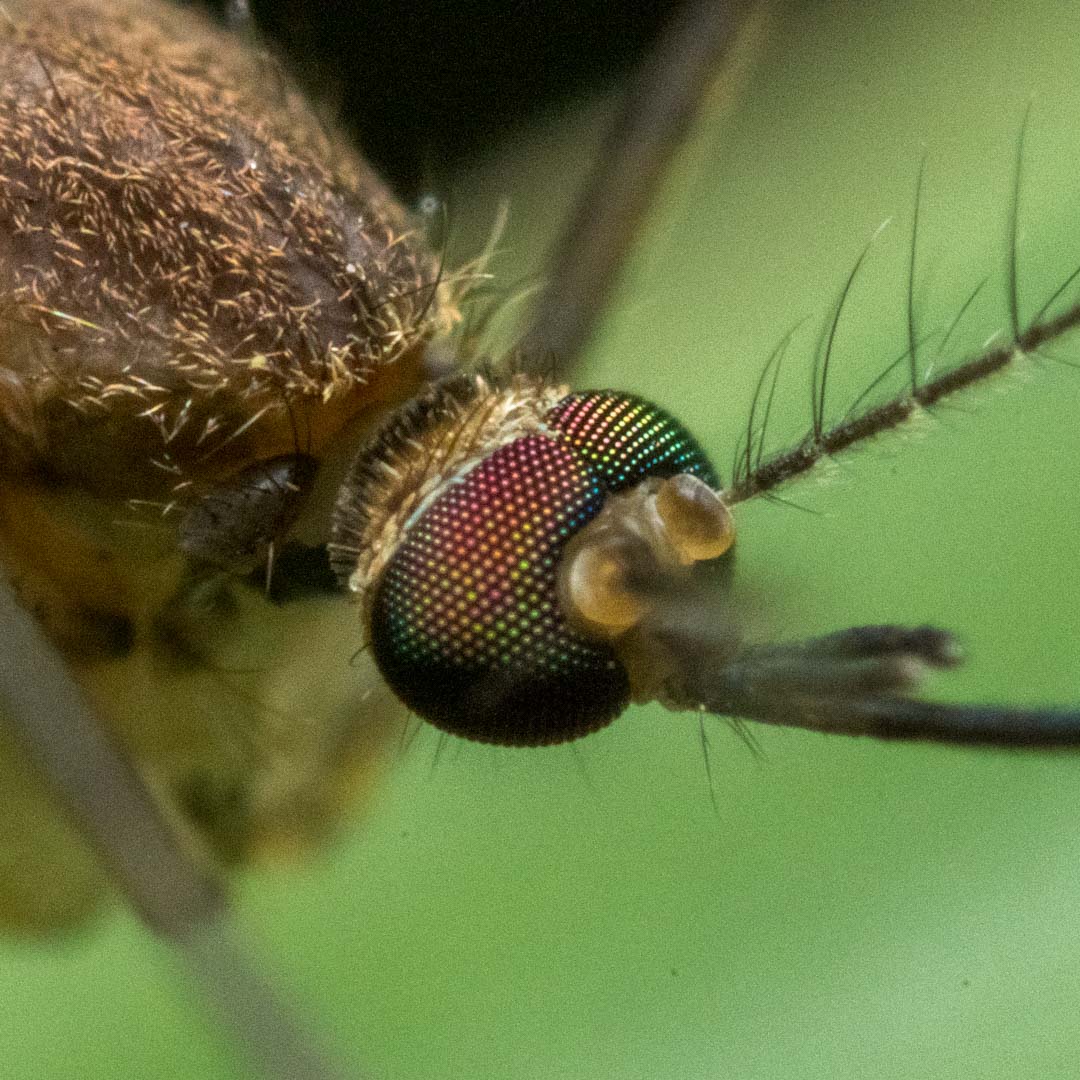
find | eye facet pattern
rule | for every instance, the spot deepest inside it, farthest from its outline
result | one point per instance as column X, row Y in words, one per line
column 466, row 623
column 625, row 439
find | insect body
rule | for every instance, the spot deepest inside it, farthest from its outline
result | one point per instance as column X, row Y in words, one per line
column 205, row 300
column 223, row 669
column 200, row 291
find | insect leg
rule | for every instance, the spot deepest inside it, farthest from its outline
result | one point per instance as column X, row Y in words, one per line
column 657, row 112
column 176, row 895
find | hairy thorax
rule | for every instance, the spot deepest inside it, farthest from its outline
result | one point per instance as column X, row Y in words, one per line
column 197, row 275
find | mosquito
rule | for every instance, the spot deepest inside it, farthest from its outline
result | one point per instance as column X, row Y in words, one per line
column 932, row 650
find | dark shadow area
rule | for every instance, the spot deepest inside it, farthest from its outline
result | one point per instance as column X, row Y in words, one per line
column 427, row 85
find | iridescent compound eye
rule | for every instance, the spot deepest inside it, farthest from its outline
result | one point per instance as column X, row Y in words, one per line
column 623, row 439
column 465, row 618
column 466, row 625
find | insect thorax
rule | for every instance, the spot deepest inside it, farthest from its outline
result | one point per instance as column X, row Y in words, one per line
column 197, row 274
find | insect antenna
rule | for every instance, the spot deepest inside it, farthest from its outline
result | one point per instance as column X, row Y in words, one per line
column 1055, row 296
column 852, row 430
column 855, row 427
column 178, row 896
column 772, row 396
column 881, row 377
column 957, row 318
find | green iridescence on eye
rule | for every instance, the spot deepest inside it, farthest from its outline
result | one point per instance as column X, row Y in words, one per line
column 624, row 439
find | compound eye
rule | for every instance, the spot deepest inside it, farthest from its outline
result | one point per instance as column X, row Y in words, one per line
column 625, row 439
column 483, row 620
column 465, row 624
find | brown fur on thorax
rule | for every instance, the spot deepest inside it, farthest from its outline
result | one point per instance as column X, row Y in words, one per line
column 184, row 249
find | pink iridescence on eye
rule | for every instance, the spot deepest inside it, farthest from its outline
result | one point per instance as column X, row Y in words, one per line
column 466, row 625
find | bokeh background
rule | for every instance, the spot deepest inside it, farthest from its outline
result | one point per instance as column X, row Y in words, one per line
column 849, row 909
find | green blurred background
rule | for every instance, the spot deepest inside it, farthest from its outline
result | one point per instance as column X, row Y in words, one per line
column 851, row 909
